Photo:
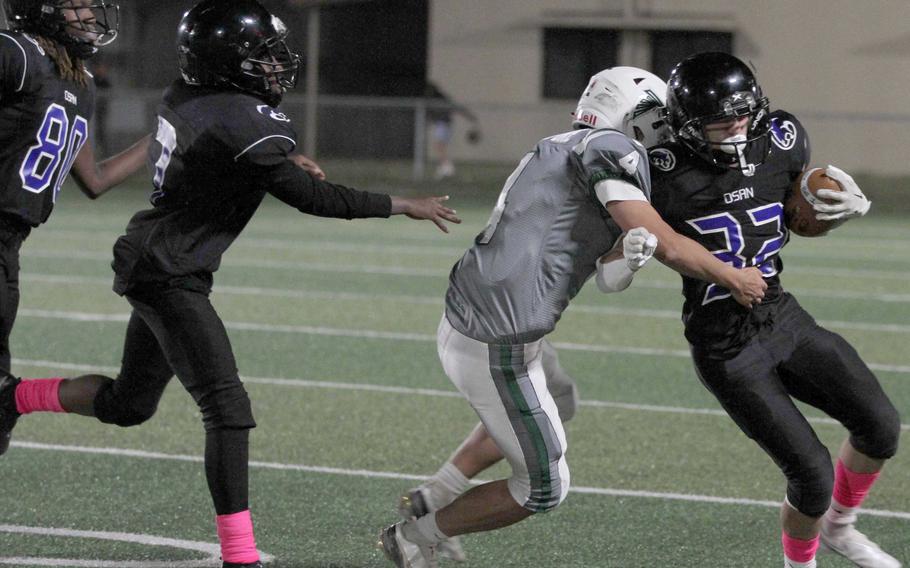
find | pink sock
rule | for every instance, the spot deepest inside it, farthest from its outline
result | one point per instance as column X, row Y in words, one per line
column 799, row 550
column 850, row 488
column 235, row 531
column 38, row 395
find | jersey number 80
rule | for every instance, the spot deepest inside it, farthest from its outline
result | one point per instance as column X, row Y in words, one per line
column 55, row 145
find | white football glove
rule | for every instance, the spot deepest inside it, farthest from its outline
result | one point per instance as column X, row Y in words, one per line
column 614, row 272
column 849, row 203
column 638, row 247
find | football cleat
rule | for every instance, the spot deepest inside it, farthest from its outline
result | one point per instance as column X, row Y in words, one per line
column 8, row 412
column 256, row 564
column 404, row 553
column 853, row 545
column 789, row 564
column 416, row 503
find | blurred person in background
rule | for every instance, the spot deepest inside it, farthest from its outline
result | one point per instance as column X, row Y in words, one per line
column 440, row 113
column 47, row 100
column 222, row 144
column 576, row 206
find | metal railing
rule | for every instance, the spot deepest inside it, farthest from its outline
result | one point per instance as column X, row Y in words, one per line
column 397, row 129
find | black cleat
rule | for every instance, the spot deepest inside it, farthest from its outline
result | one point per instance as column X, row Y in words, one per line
column 8, row 413
column 256, row 564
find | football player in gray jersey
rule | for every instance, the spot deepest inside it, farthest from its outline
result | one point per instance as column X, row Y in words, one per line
column 560, row 218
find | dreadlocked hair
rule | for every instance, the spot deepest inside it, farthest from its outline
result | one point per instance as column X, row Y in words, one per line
column 70, row 69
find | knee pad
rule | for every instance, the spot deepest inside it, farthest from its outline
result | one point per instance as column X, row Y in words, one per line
column 111, row 407
column 809, row 489
column 543, row 496
column 881, row 436
column 226, row 405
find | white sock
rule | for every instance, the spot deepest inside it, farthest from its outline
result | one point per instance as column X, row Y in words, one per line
column 423, row 531
column 793, row 564
column 447, row 484
column 837, row 514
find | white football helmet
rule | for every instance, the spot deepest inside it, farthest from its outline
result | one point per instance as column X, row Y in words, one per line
column 627, row 99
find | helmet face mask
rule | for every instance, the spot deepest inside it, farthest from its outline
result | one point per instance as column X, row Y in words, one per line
column 273, row 62
column 81, row 26
column 627, row 99
column 237, row 44
column 714, row 88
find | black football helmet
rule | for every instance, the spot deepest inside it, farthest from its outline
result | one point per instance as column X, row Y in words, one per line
column 715, row 87
column 80, row 35
column 237, row 43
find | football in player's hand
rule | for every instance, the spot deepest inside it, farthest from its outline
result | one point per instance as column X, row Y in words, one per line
column 798, row 210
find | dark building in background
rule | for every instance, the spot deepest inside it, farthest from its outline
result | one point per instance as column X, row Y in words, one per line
column 367, row 48
column 573, row 55
column 373, row 48
column 669, row 47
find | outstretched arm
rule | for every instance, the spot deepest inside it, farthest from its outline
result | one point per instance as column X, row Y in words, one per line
column 298, row 188
column 95, row 179
column 687, row 256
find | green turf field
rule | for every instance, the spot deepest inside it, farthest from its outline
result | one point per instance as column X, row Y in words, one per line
column 333, row 325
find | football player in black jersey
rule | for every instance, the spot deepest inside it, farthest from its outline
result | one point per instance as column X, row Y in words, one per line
column 46, row 103
column 222, row 145
column 723, row 182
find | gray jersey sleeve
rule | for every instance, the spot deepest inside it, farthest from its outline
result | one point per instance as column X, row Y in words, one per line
column 604, row 155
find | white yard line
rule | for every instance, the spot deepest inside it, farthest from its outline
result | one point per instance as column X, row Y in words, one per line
column 139, row 454
column 257, row 291
column 385, row 335
column 438, row 300
column 831, row 248
column 211, row 550
column 305, row 266
column 369, row 387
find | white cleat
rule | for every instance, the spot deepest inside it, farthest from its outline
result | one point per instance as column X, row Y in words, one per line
column 404, row 553
column 416, row 503
column 791, row 564
column 853, row 545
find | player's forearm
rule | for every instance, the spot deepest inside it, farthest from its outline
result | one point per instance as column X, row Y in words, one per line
column 614, row 275
column 95, row 179
column 310, row 195
column 688, row 257
column 116, row 169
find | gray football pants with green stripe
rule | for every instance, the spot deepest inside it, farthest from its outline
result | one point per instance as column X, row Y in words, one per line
column 522, row 396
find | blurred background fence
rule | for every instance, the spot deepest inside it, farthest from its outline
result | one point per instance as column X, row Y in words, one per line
column 379, row 73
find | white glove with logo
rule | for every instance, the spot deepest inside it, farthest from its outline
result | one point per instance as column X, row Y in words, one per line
column 849, row 203
column 615, row 270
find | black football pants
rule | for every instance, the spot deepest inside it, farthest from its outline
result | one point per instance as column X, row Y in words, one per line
column 793, row 357
column 10, row 242
column 174, row 330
